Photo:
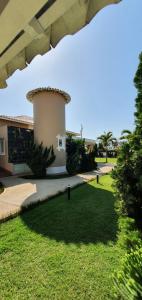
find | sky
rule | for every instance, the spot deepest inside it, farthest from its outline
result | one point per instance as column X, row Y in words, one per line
column 96, row 66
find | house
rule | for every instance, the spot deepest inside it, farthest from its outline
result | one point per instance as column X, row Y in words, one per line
column 15, row 133
column 8, row 123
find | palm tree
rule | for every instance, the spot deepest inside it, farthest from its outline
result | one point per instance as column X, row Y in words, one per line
column 126, row 135
column 106, row 139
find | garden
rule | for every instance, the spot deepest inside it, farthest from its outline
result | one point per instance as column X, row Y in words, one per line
column 63, row 249
column 89, row 247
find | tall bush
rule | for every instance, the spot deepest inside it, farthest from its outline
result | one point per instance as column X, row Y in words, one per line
column 79, row 159
column 88, row 161
column 39, row 159
column 73, row 150
column 72, row 164
column 128, row 173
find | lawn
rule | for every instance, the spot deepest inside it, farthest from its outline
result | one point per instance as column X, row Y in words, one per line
column 62, row 249
column 111, row 160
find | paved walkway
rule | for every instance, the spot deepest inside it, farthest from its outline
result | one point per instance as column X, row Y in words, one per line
column 20, row 192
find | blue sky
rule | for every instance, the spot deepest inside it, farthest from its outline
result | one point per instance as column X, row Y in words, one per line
column 96, row 66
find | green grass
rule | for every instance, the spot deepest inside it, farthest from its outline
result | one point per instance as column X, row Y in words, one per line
column 112, row 160
column 62, row 249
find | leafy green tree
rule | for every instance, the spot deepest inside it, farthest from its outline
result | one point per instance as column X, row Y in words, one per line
column 74, row 149
column 95, row 149
column 126, row 135
column 39, row 159
column 106, row 140
column 128, row 173
column 78, row 158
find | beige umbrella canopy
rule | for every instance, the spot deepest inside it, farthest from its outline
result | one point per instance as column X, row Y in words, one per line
column 32, row 27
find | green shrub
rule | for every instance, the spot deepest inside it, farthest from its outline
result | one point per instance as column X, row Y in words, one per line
column 39, row 159
column 129, row 237
column 73, row 150
column 128, row 281
column 79, row 159
column 73, row 164
column 88, row 162
column 128, row 172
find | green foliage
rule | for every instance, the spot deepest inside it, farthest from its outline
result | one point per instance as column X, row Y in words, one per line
column 95, row 149
column 79, row 159
column 129, row 237
column 138, row 105
column 126, row 135
column 88, row 161
column 128, row 281
column 62, row 250
column 125, row 181
column 128, row 173
column 111, row 160
column 39, row 159
column 73, row 149
column 73, row 165
column 106, row 140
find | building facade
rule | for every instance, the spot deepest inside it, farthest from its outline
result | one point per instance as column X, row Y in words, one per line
column 15, row 132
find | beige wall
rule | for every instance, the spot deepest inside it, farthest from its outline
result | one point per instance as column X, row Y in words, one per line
column 90, row 145
column 4, row 158
column 49, row 120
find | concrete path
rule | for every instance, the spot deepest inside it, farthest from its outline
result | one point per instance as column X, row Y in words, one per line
column 20, row 192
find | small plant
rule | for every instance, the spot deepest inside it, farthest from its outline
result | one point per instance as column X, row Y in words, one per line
column 128, row 281
column 39, row 159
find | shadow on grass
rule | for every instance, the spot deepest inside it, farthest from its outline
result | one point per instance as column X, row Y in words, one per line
column 89, row 217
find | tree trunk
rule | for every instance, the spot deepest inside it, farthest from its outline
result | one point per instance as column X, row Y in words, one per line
column 106, row 156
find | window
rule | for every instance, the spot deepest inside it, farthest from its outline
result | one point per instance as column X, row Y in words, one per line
column 60, row 142
column 2, row 146
column 19, row 140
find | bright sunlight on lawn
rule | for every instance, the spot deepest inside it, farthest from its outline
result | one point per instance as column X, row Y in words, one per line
column 111, row 160
column 62, row 249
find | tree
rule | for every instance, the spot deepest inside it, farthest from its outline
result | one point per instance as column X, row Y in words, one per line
column 126, row 135
column 78, row 158
column 106, row 140
column 128, row 173
column 39, row 159
column 95, row 149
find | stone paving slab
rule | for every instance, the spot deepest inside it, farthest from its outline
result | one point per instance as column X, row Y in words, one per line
column 21, row 192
